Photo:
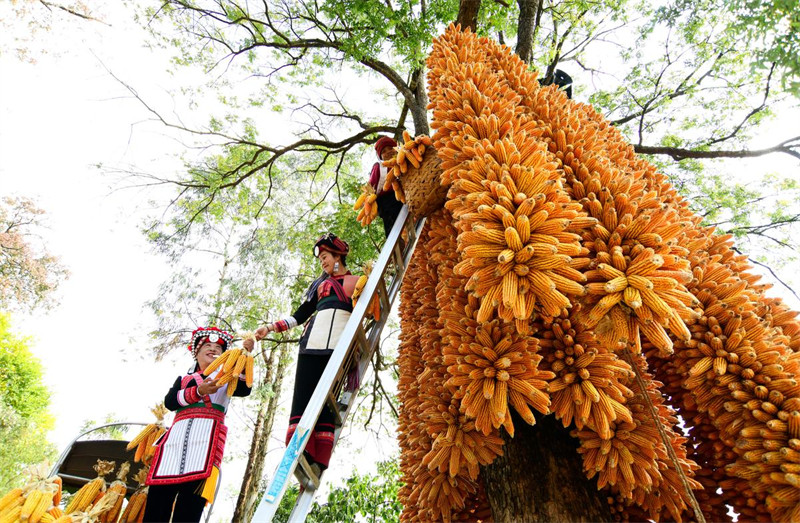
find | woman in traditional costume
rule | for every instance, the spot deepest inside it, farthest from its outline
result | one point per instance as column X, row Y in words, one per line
column 184, row 472
column 388, row 205
column 328, row 304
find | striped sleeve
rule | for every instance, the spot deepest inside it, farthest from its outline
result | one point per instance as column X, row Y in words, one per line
column 285, row 325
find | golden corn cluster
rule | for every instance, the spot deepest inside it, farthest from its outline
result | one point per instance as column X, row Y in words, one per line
column 408, row 154
column 441, row 450
column 366, row 206
column 37, row 501
column 134, row 510
column 374, row 308
column 144, row 441
column 93, row 490
column 233, row 362
column 566, row 275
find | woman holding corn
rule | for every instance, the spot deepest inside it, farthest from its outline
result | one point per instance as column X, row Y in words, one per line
column 388, row 205
column 328, row 304
column 183, row 474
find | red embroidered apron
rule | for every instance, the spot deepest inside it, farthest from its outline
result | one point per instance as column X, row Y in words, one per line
column 190, row 448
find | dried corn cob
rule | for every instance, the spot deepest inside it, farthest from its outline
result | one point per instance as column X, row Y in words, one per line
column 86, row 495
column 143, row 441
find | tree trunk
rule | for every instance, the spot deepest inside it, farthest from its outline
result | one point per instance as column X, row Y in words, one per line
column 468, row 14
column 540, row 478
column 527, row 23
column 419, row 111
column 250, row 490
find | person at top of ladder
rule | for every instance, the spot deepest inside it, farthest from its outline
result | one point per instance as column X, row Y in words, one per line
column 183, row 474
column 388, row 205
column 328, row 304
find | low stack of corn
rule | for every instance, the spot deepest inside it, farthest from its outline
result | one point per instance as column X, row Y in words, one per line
column 117, row 491
column 92, row 513
column 574, row 251
column 36, row 501
column 233, row 362
column 134, row 510
column 93, row 490
column 144, row 442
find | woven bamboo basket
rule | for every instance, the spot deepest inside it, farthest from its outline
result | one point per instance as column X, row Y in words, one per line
column 423, row 191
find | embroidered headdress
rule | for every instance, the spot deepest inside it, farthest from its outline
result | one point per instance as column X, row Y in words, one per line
column 331, row 243
column 211, row 334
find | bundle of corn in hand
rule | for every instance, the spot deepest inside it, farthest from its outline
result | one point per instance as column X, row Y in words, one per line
column 232, row 363
column 374, row 308
column 36, row 501
column 93, row 490
column 144, row 442
column 134, row 510
column 366, row 203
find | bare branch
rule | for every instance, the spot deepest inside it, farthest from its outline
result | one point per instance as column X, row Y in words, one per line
column 790, row 147
column 71, row 11
column 777, row 278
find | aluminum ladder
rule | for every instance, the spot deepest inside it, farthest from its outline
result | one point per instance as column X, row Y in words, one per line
column 356, row 345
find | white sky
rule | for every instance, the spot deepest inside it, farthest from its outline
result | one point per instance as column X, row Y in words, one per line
column 58, row 118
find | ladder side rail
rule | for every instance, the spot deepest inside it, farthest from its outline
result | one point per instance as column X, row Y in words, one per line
column 305, row 499
column 362, row 350
column 392, row 292
column 277, row 488
column 302, row 506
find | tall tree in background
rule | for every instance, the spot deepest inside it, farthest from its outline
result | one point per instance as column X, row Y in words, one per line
column 24, row 419
column 675, row 78
column 28, row 273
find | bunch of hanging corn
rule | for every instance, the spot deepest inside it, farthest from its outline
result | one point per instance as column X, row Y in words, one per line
column 441, row 449
column 409, row 154
column 366, row 206
column 144, row 442
column 574, row 251
column 374, row 308
column 233, row 363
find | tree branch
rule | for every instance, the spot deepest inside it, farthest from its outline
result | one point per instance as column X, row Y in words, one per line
column 790, row 147
column 69, row 10
column 770, row 271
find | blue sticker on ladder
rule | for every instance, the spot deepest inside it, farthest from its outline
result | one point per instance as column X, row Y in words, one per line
column 284, row 468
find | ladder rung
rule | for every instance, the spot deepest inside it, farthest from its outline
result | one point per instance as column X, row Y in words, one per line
column 306, row 475
column 334, row 406
column 398, row 257
column 384, row 297
column 361, row 338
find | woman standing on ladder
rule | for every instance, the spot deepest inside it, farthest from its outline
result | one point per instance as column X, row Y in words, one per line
column 328, row 302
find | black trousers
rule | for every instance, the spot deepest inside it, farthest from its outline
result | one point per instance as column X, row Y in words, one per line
column 388, row 209
column 309, row 370
column 188, row 506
